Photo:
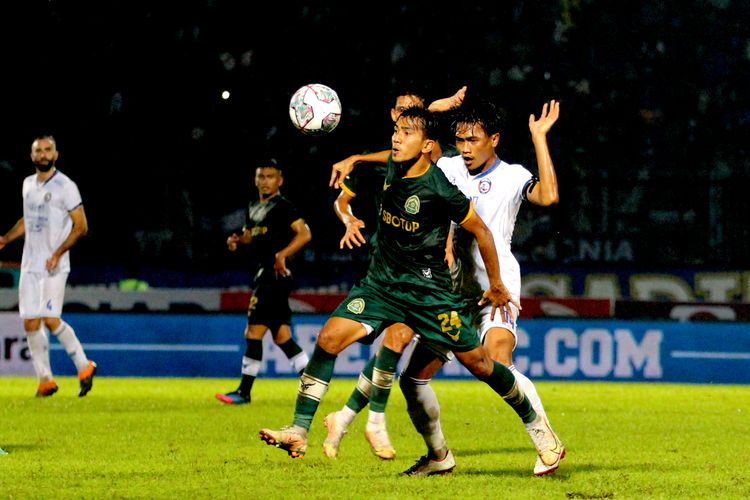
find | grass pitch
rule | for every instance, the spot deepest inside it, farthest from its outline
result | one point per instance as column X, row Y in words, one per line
column 169, row 438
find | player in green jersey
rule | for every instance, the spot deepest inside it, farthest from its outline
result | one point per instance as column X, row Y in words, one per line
column 418, row 205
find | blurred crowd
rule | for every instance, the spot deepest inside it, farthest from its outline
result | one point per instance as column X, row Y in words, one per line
column 650, row 150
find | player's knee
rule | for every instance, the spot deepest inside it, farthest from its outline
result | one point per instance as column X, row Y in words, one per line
column 332, row 342
column 397, row 337
column 32, row 325
column 481, row 369
column 52, row 324
column 478, row 362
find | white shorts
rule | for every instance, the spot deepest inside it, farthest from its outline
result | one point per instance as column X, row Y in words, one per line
column 502, row 320
column 41, row 295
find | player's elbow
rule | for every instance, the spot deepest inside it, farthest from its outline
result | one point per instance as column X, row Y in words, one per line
column 553, row 199
column 306, row 235
column 549, row 199
column 82, row 229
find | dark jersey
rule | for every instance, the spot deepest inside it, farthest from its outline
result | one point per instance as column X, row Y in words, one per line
column 270, row 223
column 365, row 184
column 412, row 228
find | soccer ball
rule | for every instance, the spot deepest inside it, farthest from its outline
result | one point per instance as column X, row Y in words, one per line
column 315, row 109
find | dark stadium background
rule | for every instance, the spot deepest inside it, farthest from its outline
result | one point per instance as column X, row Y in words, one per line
column 651, row 149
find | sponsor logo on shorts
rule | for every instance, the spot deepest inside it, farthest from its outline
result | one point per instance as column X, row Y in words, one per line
column 356, row 306
column 412, row 204
column 427, row 273
column 454, row 338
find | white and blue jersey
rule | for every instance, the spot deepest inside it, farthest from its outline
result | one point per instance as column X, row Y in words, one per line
column 46, row 213
column 497, row 194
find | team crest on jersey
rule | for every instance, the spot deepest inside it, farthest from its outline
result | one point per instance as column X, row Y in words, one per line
column 412, row 204
column 484, row 186
column 427, row 273
column 356, row 306
column 47, row 197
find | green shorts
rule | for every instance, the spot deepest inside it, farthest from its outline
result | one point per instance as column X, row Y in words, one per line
column 439, row 317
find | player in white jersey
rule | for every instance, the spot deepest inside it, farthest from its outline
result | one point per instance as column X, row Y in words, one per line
column 497, row 188
column 53, row 221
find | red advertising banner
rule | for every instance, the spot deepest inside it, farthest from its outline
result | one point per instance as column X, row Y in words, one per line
column 533, row 307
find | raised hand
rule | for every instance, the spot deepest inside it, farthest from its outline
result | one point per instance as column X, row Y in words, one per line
column 550, row 113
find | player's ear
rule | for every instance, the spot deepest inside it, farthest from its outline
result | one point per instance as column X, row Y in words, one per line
column 495, row 139
column 428, row 146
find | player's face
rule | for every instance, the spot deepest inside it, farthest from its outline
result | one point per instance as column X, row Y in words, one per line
column 403, row 102
column 43, row 154
column 476, row 147
column 268, row 180
column 408, row 140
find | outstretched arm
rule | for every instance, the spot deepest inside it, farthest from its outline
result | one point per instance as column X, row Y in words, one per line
column 448, row 103
column 545, row 192
column 341, row 169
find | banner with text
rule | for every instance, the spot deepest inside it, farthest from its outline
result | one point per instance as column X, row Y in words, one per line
column 203, row 345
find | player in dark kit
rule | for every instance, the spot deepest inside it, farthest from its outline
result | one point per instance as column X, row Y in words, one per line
column 408, row 280
column 275, row 231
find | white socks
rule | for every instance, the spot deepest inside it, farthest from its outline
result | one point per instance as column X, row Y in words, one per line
column 39, row 347
column 250, row 366
column 67, row 337
column 299, row 362
column 530, row 390
column 424, row 411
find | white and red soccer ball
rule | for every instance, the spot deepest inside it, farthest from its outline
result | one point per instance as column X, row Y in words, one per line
column 315, row 109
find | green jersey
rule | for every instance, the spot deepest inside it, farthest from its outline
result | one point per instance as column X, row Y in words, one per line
column 413, row 223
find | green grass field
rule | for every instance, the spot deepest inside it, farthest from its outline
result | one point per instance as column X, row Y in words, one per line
column 169, row 438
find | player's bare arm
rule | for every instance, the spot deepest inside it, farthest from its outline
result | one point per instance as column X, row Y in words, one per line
column 448, row 103
column 80, row 228
column 497, row 295
column 342, row 168
column 545, row 192
column 302, row 235
column 18, row 230
column 234, row 239
column 352, row 236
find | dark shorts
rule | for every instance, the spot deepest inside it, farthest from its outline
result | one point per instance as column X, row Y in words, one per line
column 439, row 317
column 269, row 303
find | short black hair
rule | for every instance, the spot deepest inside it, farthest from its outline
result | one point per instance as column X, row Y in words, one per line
column 269, row 163
column 481, row 112
column 49, row 137
column 424, row 119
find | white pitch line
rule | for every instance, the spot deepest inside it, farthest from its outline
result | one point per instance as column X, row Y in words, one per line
column 710, row 355
column 158, row 347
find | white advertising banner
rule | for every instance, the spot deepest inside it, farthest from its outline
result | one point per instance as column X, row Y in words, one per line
column 15, row 358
